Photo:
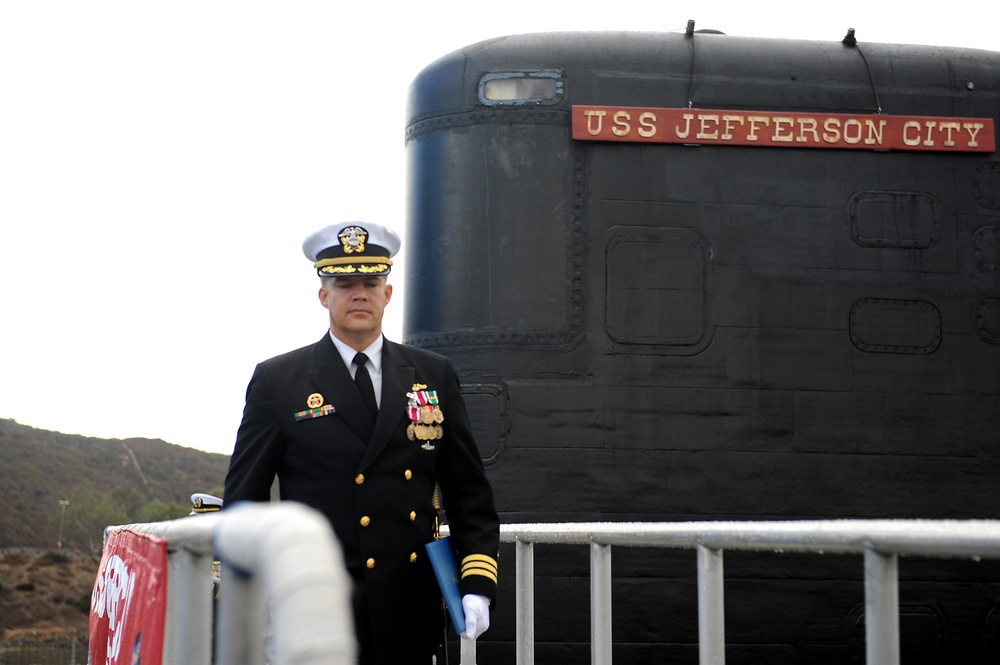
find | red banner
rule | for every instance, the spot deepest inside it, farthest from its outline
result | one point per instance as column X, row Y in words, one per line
column 129, row 602
column 783, row 130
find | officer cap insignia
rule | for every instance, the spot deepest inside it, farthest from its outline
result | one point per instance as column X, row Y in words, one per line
column 352, row 248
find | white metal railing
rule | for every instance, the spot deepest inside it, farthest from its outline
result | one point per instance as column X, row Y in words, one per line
column 279, row 560
column 283, row 557
column 880, row 542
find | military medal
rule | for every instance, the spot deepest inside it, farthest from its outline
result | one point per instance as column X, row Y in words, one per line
column 425, row 416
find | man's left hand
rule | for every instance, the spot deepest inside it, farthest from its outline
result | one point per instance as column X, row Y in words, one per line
column 477, row 615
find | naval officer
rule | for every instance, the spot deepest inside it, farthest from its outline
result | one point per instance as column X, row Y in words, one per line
column 363, row 429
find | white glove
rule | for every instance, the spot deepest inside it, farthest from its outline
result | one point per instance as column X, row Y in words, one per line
column 477, row 615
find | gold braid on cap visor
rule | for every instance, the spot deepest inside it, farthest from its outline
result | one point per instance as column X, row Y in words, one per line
column 345, row 265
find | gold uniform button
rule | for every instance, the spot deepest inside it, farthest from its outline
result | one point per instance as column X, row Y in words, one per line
column 413, row 516
column 413, row 557
column 408, row 474
column 365, row 521
column 358, row 479
column 370, row 563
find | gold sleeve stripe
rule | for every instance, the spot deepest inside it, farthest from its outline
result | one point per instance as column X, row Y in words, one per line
column 486, row 568
column 480, row 559
column 479, row 564
column 469, row 572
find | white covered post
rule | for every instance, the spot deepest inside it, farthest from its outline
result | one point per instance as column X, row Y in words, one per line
column 291, row 549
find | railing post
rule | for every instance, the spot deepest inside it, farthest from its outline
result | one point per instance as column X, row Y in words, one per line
column 194, row 595
column 711, row 607
column 173, row 607
column 600, row 604
column 525, row 622
column 881, row 608
column 468, row 651
column 239, row 636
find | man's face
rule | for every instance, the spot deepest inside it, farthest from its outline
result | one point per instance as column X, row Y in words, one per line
column 356, row 305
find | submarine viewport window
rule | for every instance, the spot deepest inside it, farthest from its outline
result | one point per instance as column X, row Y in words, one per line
column 519, row 88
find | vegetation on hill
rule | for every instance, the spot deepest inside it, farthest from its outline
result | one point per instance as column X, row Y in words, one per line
column 61, row 490
column 44, row 596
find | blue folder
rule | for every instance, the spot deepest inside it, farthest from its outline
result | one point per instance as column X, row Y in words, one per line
column 442, row 557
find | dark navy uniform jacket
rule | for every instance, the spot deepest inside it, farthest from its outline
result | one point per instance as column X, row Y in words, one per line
column 374, row 484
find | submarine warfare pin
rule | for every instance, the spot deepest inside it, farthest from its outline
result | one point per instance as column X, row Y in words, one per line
column 425, row 416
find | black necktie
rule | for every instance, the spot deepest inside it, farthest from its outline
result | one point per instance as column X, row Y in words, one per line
column 364, row 383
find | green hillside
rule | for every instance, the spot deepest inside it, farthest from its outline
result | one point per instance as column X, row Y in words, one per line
column 102, row 481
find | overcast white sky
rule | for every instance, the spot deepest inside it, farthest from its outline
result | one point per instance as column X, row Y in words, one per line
column 161, row 162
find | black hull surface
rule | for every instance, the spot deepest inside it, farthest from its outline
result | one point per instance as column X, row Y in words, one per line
column 663, row 332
